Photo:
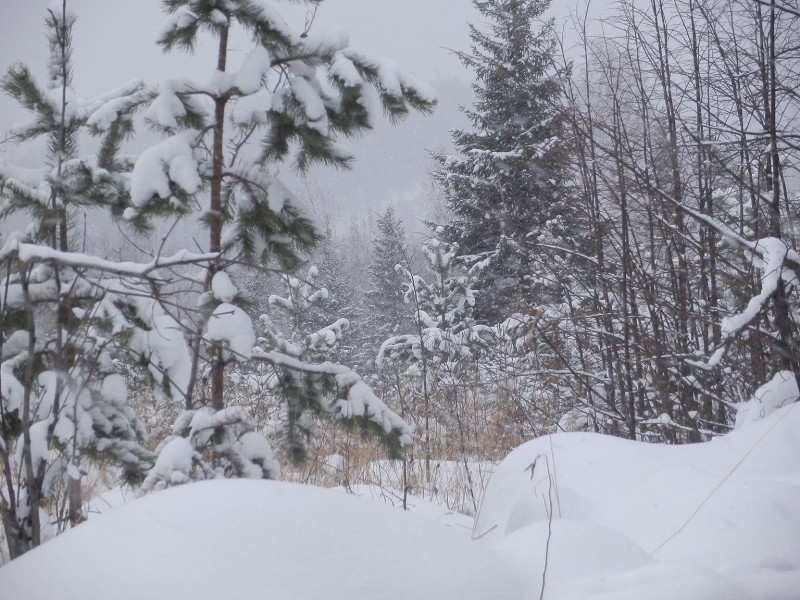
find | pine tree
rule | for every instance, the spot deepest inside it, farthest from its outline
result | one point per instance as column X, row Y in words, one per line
column 63, row 400
column 507, row 189
column 300, row 93
column 340, row 300
column 301, row 337
column 446, row 341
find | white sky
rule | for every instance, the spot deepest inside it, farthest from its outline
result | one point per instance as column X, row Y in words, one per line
column 114, row 42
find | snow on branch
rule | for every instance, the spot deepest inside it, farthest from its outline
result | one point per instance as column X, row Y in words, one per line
column 104, row 110
column 771, row 256
column 37, row 254
column 325, row 43
column 778, row 264
column 360, row 402
column 162, row 168
column 390, row 77
column 231, row 326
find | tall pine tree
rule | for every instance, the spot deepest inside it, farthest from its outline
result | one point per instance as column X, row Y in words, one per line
column 507, row 188
column 300, row 93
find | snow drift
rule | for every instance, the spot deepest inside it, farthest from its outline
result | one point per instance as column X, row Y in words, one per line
column 634, row 520
column 589, row 516
column 256, row 539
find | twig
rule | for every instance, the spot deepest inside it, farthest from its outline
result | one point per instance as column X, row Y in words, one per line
column 549, row 509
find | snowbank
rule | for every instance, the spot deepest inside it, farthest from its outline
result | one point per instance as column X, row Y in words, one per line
column 257, row 539
column 778, row 392
column 634, row 520
column 594, row 517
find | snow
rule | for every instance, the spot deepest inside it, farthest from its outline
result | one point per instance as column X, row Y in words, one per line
column 414, row 504
column 220, row 83
column 769, row 256
column 261, row 461
column 36, row 253
column 174, row 463
column 114, row 388
column 362, row 402
column 772, row 253
column 231, row 325
column 252, row 108
column 39, row 447
column 610, row 519
column 103, row 110
column 255, row 66
column 13, row 392
column 166, row 108
column 267, row 13
column 223, row 288
column 392, row 79
column 325, row 42
column 180, row 19
column 15, row 343
column 776, row 393
column 343, row 69
column 711, row 520
column 310, row 99
column 251, row 539
column 171, row 161
column 218, row 17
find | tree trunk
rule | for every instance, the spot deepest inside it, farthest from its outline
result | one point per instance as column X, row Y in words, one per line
column 215, row 215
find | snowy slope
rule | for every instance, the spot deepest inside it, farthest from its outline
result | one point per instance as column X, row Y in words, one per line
column 716, row 521
column 257, row 539
column 713, row 520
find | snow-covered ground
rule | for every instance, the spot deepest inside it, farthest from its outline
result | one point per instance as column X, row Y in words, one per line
column 609, row 518
column 634, row 520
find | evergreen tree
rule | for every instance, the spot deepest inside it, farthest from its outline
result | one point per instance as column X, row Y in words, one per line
column 507, row 189
column 300, row 92
column 445, row 342
column 63, row 399
column 339, row 302
column 305, row 340
column 387, row 312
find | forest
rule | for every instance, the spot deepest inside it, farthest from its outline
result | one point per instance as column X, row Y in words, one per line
column 610, row 248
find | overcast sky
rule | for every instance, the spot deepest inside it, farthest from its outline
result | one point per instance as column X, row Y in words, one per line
column 114, row 42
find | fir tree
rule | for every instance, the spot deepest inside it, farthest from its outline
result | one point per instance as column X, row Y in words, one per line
column 507, row 189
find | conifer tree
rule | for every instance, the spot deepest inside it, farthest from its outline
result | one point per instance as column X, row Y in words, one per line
column 507, row 188
column 298, row 93
column 387, row 312
column 340, row 300
column 307, row 341
column 445, row 341
column 63, row 399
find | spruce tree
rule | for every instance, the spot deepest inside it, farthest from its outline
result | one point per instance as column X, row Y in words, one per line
column 387, row 312
column 507, row 190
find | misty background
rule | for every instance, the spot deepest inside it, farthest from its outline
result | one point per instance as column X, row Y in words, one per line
column 114, row 43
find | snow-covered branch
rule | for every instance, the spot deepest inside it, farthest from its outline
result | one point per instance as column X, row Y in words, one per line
column 34, row 253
